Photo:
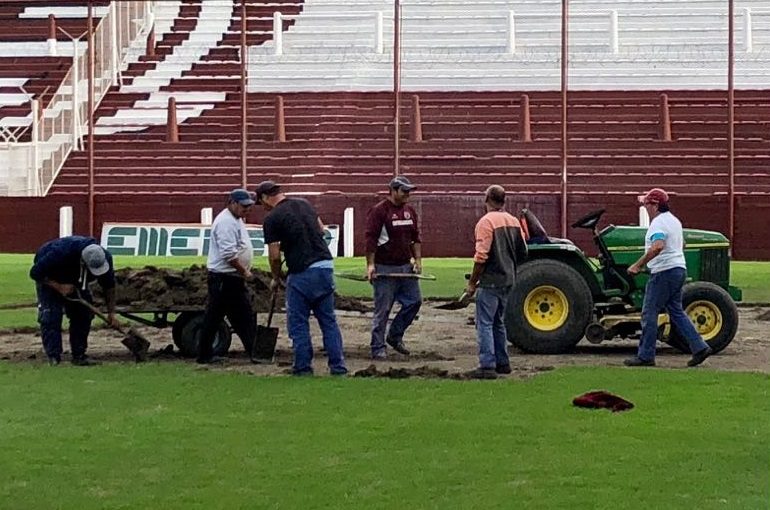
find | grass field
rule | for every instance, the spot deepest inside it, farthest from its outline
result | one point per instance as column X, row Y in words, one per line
column 170, row 436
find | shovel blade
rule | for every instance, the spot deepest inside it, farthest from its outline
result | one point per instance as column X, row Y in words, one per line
column 454, row 305
column 263, row 350
column 137, row 344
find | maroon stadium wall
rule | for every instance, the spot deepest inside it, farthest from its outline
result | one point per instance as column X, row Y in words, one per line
column 447, row 221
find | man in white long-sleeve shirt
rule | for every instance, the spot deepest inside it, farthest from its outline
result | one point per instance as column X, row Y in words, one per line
column 229, row 266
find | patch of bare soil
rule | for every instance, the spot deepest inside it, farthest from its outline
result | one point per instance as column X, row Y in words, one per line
column 442, row 343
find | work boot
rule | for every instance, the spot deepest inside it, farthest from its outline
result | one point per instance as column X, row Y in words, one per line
column 503, row 369
column 636, row 361
column 482, row 373
column 700, row 356
column 380, row 355
column 213, row 360
column 84, row 361
column 54, row 360
column 398, row 346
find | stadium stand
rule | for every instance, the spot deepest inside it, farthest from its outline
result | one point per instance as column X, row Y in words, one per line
column 468, row 67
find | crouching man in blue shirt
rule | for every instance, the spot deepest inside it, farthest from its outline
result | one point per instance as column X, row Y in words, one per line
column 62, row 267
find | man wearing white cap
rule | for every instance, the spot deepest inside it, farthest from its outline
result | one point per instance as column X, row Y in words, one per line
column 60, row 267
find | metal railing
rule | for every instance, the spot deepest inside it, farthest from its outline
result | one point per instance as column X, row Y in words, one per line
column 58, row 127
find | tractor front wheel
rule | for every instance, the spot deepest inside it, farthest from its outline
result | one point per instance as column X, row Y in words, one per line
column 712, row 312
column 549, row 307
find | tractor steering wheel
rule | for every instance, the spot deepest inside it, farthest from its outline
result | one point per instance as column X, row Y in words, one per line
column 590, row 220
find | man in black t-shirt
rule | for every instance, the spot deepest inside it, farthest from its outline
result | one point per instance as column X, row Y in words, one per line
column 293, row 227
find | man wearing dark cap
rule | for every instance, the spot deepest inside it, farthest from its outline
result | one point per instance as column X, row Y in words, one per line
column 63, row 268
column 664, row 256
column 393, row 247
column 292, row 226
column 229, row 266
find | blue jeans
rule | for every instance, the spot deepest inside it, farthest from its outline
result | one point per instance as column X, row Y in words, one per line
column 490, row 327
column 664, row 292
column 313, row 290
column 51, row 307
column 387, row 291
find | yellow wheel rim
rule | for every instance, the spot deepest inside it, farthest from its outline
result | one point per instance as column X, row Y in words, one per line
column 546, row 308
column 706, row 318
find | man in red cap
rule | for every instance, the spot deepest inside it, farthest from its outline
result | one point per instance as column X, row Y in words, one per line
column 664, row 256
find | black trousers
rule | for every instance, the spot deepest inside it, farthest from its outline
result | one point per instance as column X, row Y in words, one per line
column 227, row 297
column 51, row 307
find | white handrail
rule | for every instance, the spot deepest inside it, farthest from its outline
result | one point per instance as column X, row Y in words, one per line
column 62, row 123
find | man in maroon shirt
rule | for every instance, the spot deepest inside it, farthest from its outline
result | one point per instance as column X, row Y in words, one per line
column 393, row 246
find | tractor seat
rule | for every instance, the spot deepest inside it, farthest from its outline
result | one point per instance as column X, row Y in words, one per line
column 534, row 231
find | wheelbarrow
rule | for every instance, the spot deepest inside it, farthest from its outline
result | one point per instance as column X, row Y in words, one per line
column 263, row 349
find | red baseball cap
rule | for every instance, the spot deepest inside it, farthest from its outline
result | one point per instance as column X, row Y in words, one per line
column 655, row 196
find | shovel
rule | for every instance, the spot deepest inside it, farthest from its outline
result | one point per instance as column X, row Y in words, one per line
column 263, row 349
column 362, row 277
column 461, row 303
column 133, row 340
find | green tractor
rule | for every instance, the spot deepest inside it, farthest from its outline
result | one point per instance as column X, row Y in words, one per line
column 561, row 295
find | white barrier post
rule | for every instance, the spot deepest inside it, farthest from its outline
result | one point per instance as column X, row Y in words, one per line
column 348, row 229
column 277, row 33
column 644, row 218
column 614, row 38
column 207, row 216
column 748, row 37
column 378, row 39
column 65, row 221
column 511, row 33
column 34, row 175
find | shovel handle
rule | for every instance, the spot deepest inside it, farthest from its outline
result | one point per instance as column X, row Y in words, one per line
column 97, row 312
column 273, row 299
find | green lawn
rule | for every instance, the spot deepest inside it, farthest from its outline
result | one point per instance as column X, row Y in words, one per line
column 170, row 436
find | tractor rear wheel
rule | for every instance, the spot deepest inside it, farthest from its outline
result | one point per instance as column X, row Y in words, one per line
column 712, row 312
column 549, row 308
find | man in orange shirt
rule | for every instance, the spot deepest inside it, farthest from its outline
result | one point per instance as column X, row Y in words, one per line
column 500, row 249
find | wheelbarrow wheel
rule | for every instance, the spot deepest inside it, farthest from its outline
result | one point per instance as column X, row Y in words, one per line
column 179, row 323
column 189, row 337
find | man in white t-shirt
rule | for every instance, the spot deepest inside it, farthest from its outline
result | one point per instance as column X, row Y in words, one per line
column 229, row 267
column 664, row 256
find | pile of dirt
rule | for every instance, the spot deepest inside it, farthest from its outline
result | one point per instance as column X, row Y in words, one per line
column 160, row 289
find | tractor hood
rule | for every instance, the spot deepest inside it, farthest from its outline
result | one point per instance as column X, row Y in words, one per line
column 626, row 238
column 706, row 253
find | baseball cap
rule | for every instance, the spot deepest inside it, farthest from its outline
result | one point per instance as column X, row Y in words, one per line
column 241, row 196
column 95, row 259
column 655, row 196
column 268, row 188
column 402, row 183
